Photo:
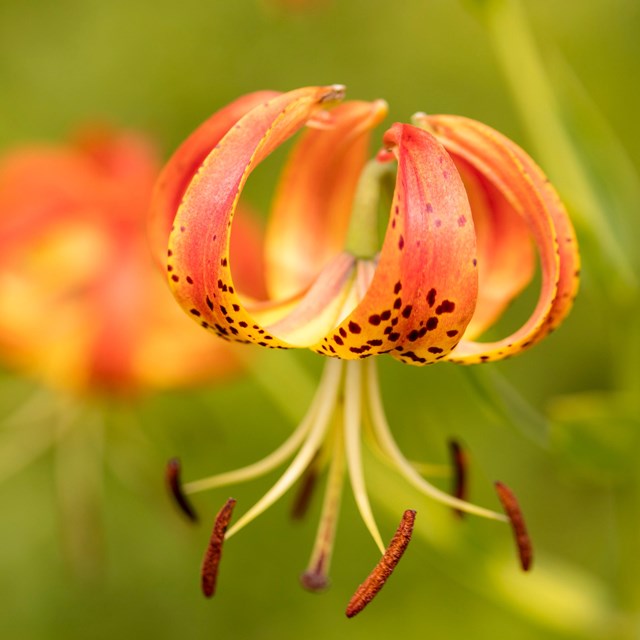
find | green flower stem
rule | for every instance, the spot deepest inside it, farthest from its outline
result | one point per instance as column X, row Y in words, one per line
column 362, row 236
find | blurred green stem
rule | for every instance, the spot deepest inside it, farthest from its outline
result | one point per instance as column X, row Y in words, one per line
column 538, row 107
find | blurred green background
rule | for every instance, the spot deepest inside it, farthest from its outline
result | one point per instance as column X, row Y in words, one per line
column 559, row 424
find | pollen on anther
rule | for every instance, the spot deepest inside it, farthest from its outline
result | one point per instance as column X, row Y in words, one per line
column 211, row 561
column 514, row 513
column 368, row 590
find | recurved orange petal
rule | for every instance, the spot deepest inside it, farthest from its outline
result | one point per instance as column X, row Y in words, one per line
column 198, row 261
column 506, row 257
column 423, row 292
column 185, row 162
column 525, row 192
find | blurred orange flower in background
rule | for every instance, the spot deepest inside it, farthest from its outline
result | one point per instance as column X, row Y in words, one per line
column 82, row 305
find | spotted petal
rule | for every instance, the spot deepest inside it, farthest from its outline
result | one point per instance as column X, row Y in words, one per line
column 199, row 265
column 179, row 171
column 424, row 289
column 525, row 192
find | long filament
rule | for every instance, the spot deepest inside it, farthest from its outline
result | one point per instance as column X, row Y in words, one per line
column 352, row 429
column 383, row 433
column 264, row 466
column 317, row 571
column 326, row 397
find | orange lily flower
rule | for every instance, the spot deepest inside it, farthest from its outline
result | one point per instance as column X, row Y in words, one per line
column 82, row 305
column 468, row 209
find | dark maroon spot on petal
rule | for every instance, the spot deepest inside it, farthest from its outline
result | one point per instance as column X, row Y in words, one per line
column 375, row 343
column 432, row 323
column 374, row 319
column 401, row 243
column 354, row 327
column 338, row 340
column 169, row 268
column 175, row 278
column 435, row 350
column 189, row 279
column 413, row 335
column 397, row 288
column 446, row 307
column 195, row 312
column 406, row 312
column 431, row 297
column 394, row 336
column 397, row 303
column 452, row 332
column 223, row 310
column 385, row 315
column 236, row 307
column 343, row 332
column 223, row 262
column 169, row 252
column 243, row 324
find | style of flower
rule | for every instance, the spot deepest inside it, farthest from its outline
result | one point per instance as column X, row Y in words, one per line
column 468, row 208
column 82, row 305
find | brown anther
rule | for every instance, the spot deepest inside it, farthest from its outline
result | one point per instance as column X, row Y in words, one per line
column 460, row 464
column 304, row 494
column 514, row 513
column 368, row 590
column 211, row 561
column 172, row 475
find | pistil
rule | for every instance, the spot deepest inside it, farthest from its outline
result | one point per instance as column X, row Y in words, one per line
column 316, row 577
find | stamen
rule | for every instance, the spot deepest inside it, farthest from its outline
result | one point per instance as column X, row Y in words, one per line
column 460, row 464
column 368, row 590
column 316, row 577
column 512, row 508
column 352, row 428
column 324, row 403
column 211, row 561
column 388, row 444
column 172, row 475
